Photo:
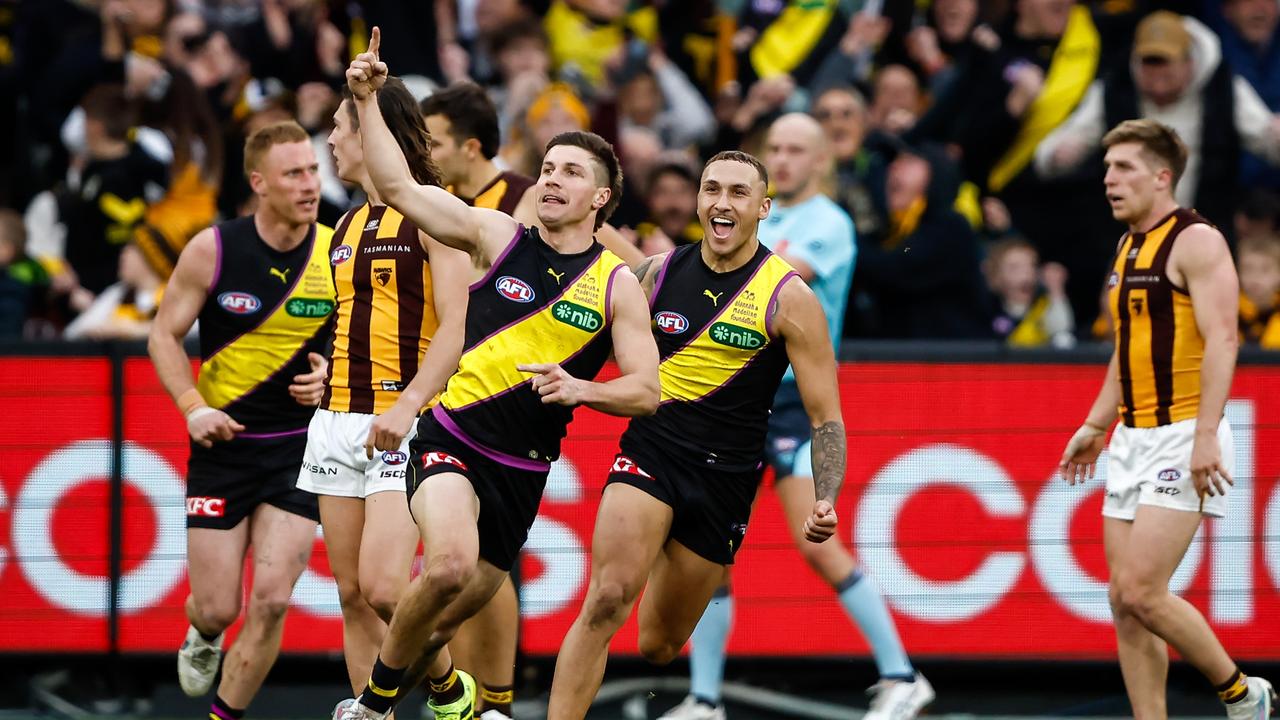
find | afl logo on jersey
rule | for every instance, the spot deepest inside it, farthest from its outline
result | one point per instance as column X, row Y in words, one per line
column 341, row 254
column 239, row 303
column 671, row 323
column 513, row 288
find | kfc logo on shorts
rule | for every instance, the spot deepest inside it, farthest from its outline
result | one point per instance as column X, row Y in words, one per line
column 515, row 289
column 394, row 457
column 341, row 254
column 206, row 507
column 671, row 323
column 624, row 464
column 1169, row 475
column 436, row 458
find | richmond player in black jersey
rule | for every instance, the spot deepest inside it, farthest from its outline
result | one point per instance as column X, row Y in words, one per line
column 728, row 316
column 261, row 289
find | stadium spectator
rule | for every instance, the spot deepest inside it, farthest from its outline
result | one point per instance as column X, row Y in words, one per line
column 586, row 35
column 24, row 283
column 555, row 110
column 1257, row 214
column 896, row 100
column 521, row 63
column 1178, row 78
column 947, row 41
column 638, row 148
column 1259, row 261
column 849, row 62
column 660, row 97
column 671, row 197
column 1029, row 301
column 860, row 165
column 921, row 280
column 107, row 199
column 791, row 38
column 124, row 310
column 1250, row 34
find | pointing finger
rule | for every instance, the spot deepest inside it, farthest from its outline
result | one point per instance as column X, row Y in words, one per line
column 375, row 40
column 539, row 368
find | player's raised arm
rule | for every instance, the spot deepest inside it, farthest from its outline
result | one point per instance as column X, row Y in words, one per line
column 799, row 320
column 433, row 209
column 184, row 296
column 633, row 393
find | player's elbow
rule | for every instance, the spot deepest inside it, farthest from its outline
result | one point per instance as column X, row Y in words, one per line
column 648, row 398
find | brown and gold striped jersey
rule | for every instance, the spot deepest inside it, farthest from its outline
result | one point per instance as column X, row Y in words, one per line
column 1158, row 343
column 385, row 317
column 503, row 193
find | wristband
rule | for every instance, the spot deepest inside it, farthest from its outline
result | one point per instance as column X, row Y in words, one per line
column 198, row 412
column 190, row 401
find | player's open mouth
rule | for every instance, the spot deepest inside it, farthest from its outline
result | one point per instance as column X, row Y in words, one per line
column 552, row 199
column 722, row 227
column 308, row 204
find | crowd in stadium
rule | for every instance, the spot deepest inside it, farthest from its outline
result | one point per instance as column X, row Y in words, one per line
column 964, row 135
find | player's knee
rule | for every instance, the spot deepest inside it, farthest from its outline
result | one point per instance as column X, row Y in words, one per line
column 448, row 574
column 382, row 596
column 608, row 604
column 269, row 604
column 657, row 649
column 1137, row 600
column 349, row 595
column 217, row 615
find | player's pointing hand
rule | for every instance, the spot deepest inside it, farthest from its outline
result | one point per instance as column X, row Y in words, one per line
column 367, row 73
column 554, row 384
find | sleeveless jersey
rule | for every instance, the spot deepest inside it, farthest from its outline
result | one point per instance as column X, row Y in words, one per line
column 386, row 316
column 266, row 310
column 535, row 305
column 1158, row 343
column 503, row 193
column 720, row 362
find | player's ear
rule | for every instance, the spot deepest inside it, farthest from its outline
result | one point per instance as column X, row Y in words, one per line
column 257, row 183
column 764, row 208
column 601, row 198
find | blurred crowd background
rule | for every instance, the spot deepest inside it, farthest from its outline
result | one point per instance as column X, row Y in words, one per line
column 963, row 137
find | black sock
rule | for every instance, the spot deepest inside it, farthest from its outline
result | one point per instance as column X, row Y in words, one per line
column 207, row 638
column 498, row 697
column 384, row 682
column 220, row 710
column 446, row 689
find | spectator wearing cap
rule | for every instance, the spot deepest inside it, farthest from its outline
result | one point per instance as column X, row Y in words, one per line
column 1250, row 34
column 555, row 110
column 1176, row 77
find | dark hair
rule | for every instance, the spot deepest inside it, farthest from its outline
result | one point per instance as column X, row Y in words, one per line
column 184, row 115
column 400, row 112
column 1158, row 141
column 602, row 151
column 743, row 157
column 513, row 31
column 108, row 104
column 471, row 114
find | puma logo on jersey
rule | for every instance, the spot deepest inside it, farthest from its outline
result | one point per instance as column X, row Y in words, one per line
column 282, row 274
column 715, row 297
column 555, row 275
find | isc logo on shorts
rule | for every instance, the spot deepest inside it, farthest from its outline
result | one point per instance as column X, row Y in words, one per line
column 671, row 323
column 394, row 457
column 1169, row 475
column 437, row 458
column 513, row 288
column 624, row 464
column 206, row 506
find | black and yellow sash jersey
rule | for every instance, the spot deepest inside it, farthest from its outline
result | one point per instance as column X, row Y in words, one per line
column 1158, row 343
column 535, row 305
column 721, row 363
column 503, row 193
column 266, row 310
column 386, row 312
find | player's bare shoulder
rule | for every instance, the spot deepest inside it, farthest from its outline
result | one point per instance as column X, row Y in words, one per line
column 200, row 259
column 795, row 307
column 1198, row 247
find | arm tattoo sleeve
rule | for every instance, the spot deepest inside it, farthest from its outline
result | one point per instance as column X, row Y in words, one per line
column 644, row 269
column 828, row 453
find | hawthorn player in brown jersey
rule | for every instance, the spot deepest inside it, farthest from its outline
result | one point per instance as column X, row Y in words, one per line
column 1173, row 292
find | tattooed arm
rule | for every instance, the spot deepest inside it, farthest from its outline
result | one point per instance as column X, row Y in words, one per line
column 800, row 322
column 647, row 273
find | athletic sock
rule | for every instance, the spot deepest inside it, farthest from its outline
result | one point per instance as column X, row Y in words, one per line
column 498, row 697
column 384, row 682
column 864, row 604
column 446, row 689
column 207, row 638
column 220, row 710
column 706, row 657
column 1235, row 689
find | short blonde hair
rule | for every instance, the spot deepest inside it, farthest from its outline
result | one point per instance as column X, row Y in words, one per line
column 258, row 144
column 1158, row 141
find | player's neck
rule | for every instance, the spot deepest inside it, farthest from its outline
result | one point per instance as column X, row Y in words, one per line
column 370, row 191
column 1160, row 209
column 277, row 232
column 805, row 194
column 569, row 239
column 479, row 176
column 728, row 263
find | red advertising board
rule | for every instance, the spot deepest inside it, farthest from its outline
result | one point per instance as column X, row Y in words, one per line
column 949, row 503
